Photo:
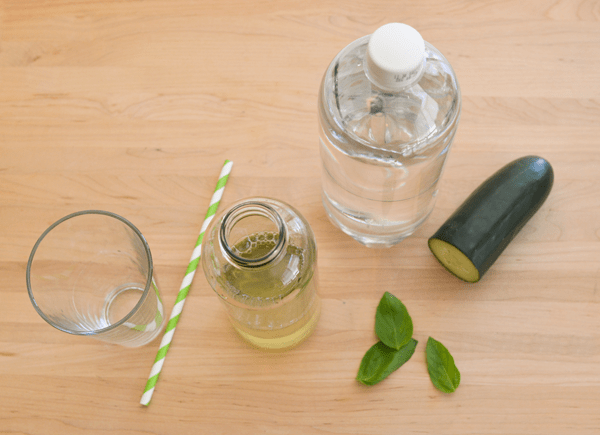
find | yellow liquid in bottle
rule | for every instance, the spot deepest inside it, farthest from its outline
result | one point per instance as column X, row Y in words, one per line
column 284, row 338
column 274, row 306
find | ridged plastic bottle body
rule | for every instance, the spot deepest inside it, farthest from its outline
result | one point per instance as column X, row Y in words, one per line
column 383, row 152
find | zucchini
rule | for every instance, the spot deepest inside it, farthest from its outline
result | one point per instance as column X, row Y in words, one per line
column 469, row 242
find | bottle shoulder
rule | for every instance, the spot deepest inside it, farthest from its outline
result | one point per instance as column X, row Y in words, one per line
column 354, row 106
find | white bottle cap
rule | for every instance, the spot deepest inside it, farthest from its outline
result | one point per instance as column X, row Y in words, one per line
column 395, row 56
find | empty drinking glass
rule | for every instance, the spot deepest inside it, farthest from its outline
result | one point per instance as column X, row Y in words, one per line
column 90, row 273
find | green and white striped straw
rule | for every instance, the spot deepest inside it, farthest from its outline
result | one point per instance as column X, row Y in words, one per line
column 185, row 286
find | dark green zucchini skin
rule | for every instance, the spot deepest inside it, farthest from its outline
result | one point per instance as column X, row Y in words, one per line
column 495, row 212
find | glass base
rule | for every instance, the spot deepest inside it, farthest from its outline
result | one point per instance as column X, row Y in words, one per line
column 118, row 304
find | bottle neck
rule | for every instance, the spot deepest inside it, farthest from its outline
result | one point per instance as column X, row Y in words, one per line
column 252, row 234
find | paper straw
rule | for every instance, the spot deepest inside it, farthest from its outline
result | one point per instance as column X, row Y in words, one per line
column 185, row 286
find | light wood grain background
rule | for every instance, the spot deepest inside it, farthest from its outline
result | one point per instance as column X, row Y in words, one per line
column 132, row 106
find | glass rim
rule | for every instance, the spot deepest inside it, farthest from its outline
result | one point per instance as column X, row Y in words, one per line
column 271, row 213
column 137, row 306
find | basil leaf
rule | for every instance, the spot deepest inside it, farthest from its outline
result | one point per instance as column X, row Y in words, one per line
column 393, row 324
column 443, row 372
column 380, row 361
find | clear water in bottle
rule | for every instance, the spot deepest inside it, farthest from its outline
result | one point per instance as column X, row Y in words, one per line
column 386, row 130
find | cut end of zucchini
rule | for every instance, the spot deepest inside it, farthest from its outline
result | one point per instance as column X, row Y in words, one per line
column 454, row 260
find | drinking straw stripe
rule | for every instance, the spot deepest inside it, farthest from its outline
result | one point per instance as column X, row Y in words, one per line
column 185, row 286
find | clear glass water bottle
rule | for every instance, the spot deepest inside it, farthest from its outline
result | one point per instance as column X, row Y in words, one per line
column 260, row 257
column 389, row 107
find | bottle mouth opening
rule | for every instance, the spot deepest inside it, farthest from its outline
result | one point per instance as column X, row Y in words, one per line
column 252, row 234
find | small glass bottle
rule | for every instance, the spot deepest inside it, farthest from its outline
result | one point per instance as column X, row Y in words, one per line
column 389, row 107
column 260, row 257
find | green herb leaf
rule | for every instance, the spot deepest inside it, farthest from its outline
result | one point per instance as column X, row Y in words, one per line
column 393, row 324
column 380, row 361
column 440, row 364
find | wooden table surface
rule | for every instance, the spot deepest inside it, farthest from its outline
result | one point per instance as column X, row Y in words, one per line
column 132, row 107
